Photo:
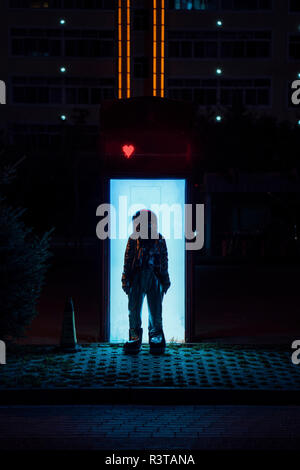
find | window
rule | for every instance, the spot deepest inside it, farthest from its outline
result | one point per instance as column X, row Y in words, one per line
column 246, row 44
column 36, row 136
column 294, row 47
column 65, row 4
column 36, row 42
column 36, row 95
column 141, row 67
column 47, row 137
column 244, row 92
column 199, row 44
column 141, row 20
column 186, row 49
column 219, row 44
column 89, row 43
column 180, row 49
column 205, row 49
column 62, row 90
column 193, row 4
column 226, row 92
column 234, row 5
column 203, row 92
column 246, row 5
column 295, row 6
column 99, row 94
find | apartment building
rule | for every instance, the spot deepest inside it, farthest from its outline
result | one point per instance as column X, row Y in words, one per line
column 60, row 59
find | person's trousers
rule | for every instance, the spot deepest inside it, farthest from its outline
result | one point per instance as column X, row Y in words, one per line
column 146, row 283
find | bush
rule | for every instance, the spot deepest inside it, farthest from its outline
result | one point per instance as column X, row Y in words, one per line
column 23, row 265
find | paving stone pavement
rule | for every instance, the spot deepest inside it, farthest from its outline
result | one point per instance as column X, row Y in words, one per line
column 97, row 427
column 202, row 366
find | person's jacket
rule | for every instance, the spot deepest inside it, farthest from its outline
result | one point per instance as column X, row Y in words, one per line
column 142, row 253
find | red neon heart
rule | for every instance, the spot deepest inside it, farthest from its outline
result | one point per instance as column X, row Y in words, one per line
column 128, row 150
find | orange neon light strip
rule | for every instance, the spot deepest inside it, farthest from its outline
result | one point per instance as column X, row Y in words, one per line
column 154, row 47
column 120, row 49
column 162, row 50
column 128, row 48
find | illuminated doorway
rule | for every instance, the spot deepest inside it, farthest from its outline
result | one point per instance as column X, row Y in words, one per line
column 143, row 194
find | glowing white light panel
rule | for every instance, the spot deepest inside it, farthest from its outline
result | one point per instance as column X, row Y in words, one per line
column 143, row 193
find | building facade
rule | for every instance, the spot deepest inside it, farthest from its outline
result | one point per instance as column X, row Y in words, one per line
column 58, row 56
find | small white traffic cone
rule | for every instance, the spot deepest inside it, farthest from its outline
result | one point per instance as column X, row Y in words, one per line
column 68, row 338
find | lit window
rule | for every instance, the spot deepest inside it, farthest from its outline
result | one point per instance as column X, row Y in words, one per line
column 193, row 4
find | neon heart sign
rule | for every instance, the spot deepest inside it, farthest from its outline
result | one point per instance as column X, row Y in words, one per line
column 128, row 150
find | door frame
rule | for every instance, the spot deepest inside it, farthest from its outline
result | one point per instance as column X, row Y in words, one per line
column 105, row 261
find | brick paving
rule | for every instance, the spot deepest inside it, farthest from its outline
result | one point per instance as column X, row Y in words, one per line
column 89, row 427
column 183, row 366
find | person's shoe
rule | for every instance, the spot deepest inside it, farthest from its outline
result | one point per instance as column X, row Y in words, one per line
column 157, row 343
column 133, row 346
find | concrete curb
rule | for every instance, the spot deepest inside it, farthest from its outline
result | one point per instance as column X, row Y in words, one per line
column 149, row 395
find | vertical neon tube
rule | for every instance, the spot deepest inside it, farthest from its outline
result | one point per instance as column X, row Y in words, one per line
column 128, row 48
column 120, row 49
column 162, row 49
column 154, row 46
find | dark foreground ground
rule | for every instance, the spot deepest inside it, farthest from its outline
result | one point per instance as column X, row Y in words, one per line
column 211, row 397
column 119, row 427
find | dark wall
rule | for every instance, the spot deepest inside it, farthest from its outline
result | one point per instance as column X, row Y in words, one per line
column 243, row 301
